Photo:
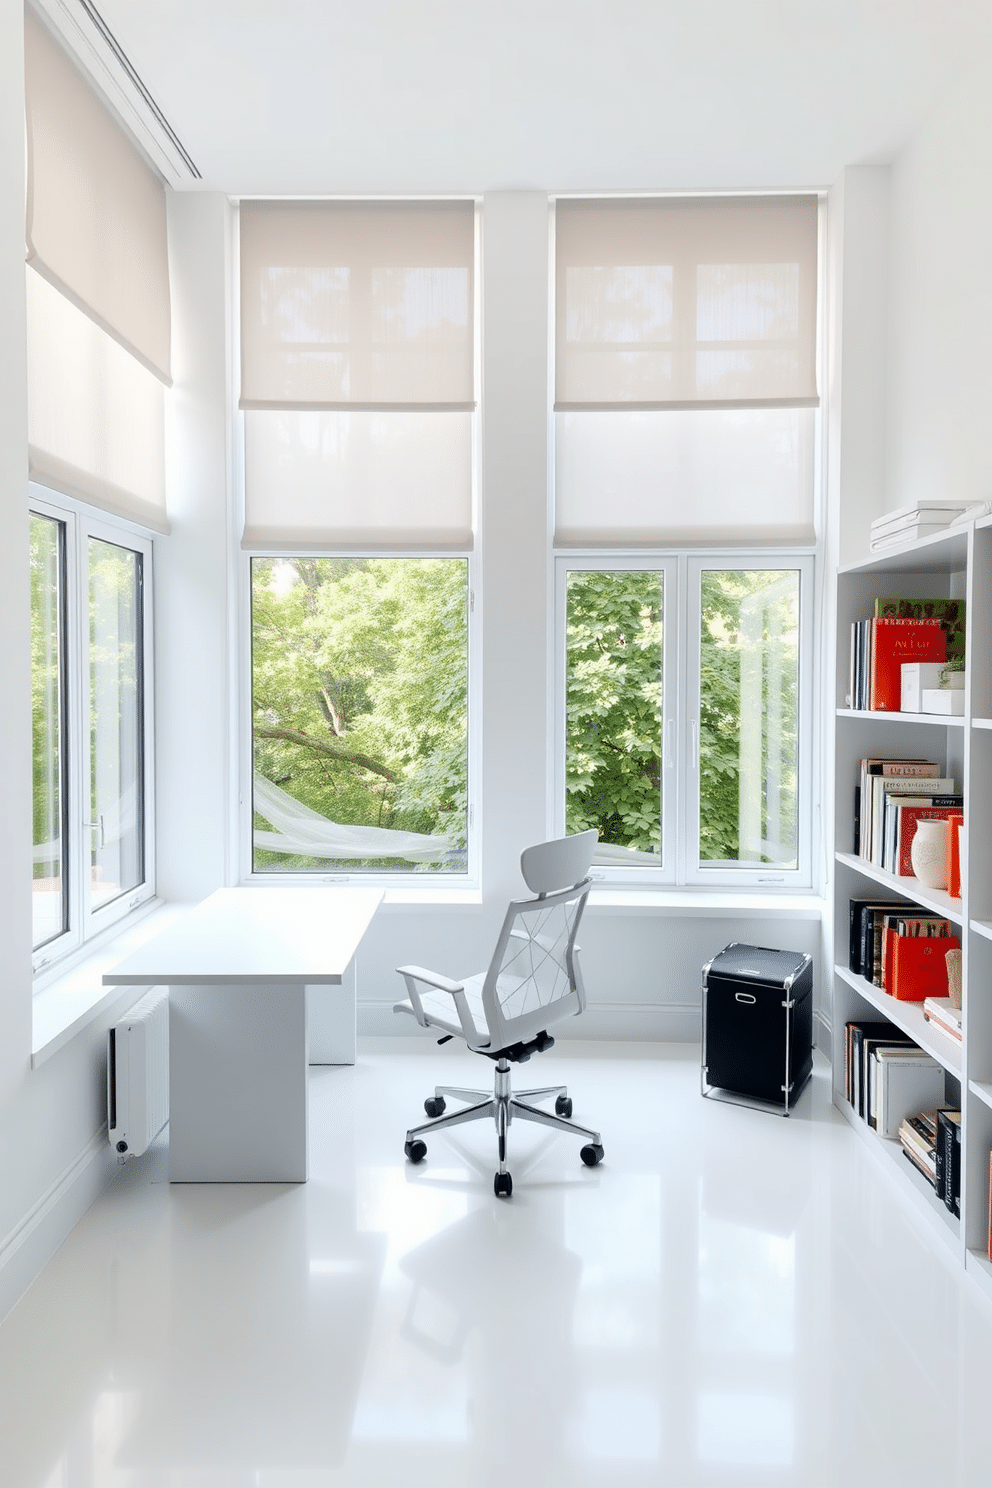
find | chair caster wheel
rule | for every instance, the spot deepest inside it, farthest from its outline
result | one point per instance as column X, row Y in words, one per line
column 592, row 1154
column 416, row 1150
column 502, row 1185
column 563, row 1106
column 434, row 1105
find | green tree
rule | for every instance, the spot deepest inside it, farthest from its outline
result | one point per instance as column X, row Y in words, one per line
column 360, row 690
column 613, row 706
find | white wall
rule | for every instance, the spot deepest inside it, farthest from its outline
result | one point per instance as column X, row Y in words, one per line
column 940, row 307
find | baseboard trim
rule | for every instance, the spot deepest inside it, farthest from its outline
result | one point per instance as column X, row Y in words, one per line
column 31, row 1244
column 630, row 1022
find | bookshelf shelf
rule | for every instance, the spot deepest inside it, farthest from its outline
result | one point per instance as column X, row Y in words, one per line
column 909, row 1017
column 955, row 565
column 940, row 720
column 910, row 888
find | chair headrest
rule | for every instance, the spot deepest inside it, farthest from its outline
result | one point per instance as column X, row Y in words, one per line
column 559, row 864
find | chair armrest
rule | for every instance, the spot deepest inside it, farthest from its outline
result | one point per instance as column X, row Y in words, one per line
column 431, row 978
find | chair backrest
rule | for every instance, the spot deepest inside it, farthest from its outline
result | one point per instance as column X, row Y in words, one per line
column 534, row 978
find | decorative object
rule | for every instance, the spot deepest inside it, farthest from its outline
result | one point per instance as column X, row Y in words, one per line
column 946, row 700
column 953, row 959
column 929, row 853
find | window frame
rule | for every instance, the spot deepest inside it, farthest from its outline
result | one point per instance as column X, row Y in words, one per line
column 403, row 880
column 80, row 523
column 682, row 627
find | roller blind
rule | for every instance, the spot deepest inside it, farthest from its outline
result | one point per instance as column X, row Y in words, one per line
column 348, row 305
column 96, row 416
column 96, row 213
column 685, row 372
column 686, row 303
column 357, row 364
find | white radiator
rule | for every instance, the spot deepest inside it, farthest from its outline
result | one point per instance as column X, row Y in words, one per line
column 138, row 1075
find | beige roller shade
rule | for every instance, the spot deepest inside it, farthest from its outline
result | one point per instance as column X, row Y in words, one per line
column 96, row 416
column 703, row 302
column 96, row 216
column 347, row 305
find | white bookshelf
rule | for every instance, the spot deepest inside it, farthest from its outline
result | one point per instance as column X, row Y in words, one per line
column 958, row 565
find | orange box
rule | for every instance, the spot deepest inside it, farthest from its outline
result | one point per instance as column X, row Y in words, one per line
column 918, row 966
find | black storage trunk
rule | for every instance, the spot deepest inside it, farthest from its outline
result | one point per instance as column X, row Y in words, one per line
column 758, row 1023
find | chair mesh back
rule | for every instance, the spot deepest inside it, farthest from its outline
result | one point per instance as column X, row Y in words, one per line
column 534, row 969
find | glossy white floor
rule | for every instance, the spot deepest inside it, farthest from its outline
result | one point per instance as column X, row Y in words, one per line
column 731, row 1299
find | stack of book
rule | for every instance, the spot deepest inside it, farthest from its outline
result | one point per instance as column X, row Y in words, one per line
column 890, row 798
column 931, row 1140
column 901, row 948
column 939, row 1013
column 911, row 522
column 888, row 1077
column 902, row 630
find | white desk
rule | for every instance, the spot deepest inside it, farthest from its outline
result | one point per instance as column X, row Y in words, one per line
column 241, row 969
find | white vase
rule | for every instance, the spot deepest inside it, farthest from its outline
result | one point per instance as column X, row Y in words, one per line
column 929, row 853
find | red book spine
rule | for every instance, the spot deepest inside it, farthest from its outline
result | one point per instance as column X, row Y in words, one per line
column 918, row 966
column 892, row 643
column 954, row 824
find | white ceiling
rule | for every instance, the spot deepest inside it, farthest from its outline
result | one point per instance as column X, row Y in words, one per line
column 462, row 96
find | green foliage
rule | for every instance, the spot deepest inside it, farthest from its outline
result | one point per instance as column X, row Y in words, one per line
column 613, row 706
column 360, row 691
column 748, row 711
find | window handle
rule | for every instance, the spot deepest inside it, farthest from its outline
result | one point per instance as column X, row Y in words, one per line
column 97, row 826
column 669, row 743
column 695, row 744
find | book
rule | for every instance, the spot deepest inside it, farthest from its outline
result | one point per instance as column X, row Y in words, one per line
column 895, row 639
column 857, row 911
column 950, row 611
column 948, row 1159
column 990, row 1206
column 880, row 786
column 939, row 1012
column 919, row 970
column 878, row 1032
column 918, row 1135
column 955, row 827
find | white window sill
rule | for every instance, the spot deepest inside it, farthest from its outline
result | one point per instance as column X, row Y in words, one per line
column 64, row 1004
column 712, row 903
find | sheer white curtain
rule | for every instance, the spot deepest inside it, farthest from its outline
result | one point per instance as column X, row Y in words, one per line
column 99, row 316
column 685, row 370
column 357, row 374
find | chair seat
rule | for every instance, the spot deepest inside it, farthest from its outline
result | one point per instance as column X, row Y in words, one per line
column 440, row 1008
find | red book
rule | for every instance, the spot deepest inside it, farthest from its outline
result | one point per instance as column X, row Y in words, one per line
column 954, row 824
column 918, row 966
column 893, row 642
column 909, row 815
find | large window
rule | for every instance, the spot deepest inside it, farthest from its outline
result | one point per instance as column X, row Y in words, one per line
column 685, row 716
column 90, row 719
column 359, row 714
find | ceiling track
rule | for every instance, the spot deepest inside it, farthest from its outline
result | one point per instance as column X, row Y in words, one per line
column 95, row 47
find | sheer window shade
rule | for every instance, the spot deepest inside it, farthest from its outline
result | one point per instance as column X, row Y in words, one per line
column 96, row 417
column 357, row 345
column 347, row 305
column 96, row 214
column 686, row 303
column 686, row 372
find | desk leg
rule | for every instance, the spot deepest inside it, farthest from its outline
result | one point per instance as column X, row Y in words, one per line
column 331, row 1021
column 238, row 1084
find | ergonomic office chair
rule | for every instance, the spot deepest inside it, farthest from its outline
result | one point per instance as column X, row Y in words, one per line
column 533, row 980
